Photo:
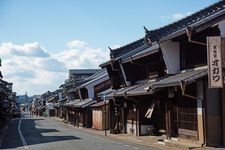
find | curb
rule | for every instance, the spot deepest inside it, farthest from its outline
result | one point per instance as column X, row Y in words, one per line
column 2, row 135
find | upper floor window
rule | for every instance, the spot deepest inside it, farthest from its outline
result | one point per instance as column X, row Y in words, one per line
column 192, row 54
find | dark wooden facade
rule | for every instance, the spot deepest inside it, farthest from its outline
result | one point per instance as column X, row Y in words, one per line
column 187, row 108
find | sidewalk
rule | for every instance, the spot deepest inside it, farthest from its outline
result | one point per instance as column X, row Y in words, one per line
column 151, row 141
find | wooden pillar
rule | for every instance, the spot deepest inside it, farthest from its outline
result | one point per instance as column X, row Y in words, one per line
column 108, row 115
column 123, row 119
column 168, row 118
column 200, row 111
column 137, row 120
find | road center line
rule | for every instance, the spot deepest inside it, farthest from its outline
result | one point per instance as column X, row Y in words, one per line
column 21, row 135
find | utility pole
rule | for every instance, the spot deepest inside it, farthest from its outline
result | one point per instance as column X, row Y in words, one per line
column 105, row 114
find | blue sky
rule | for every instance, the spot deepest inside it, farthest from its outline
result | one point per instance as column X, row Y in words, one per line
column 101, row 23
column 49, row 33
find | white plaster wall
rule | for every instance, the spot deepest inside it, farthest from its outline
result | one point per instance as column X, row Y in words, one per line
column 171, row 56
column 90, row 91
column 90, row 87
column 60, row 95
column 222, row 28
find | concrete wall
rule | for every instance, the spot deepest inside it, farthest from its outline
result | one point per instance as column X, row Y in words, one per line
column 171, row 56
column 213, row 117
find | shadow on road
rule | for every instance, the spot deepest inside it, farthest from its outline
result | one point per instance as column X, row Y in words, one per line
column 32, row 134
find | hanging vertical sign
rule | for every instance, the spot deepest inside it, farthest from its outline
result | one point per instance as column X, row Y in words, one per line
column 215, row 72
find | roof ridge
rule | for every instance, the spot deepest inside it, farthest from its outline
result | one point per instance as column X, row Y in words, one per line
column 199, row 15
column 133, row 45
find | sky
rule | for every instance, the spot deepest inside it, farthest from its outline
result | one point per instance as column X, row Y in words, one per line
column 40, row 40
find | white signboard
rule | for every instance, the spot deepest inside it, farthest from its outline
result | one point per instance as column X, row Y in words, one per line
column 215, row 73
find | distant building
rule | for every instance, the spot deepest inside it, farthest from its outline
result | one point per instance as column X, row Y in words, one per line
column 80, row 74
column 22, row 99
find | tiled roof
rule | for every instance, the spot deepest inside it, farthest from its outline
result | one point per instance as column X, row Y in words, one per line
column 97, row 74
column 57, row 105
column 187, row 77
column 72, row 103
column 63, row 100
column 106, row 92
column 135, row 90
column 122, row 91
column 170, row 31
column 84, row 103
column 139, row 54
column 192, row 21
column 95, row 78
column 101, row 103
column 127, row 48
column 140, row 90
column 83, row 71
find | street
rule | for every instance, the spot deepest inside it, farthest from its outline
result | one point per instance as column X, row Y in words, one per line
column 37, row 133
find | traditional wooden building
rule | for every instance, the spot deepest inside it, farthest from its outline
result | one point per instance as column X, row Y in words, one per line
column 88, row 93
column 83, row 113
column 69, row 111
column 40, row 104
column 137, row 65
column 163, row 77
column 193, row 111
column 100, row 115
column 76, row 78
column 101, row 110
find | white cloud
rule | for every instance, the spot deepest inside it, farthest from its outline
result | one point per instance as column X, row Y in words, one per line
column 33, row 69
column 28, row 49
column 80, row 55
column 176, row 16
column 76, row 44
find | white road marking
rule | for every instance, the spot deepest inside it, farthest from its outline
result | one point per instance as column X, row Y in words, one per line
column 135, row 147
column 22, row 137
column 126, row 145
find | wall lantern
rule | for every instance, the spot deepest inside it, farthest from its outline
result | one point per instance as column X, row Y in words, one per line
column 125, row 105
column 171, row 92
column 134, row 108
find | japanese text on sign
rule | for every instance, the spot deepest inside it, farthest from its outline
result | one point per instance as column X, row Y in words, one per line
column 215, row 62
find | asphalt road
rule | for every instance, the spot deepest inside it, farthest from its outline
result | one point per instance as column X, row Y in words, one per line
column 34, row 133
